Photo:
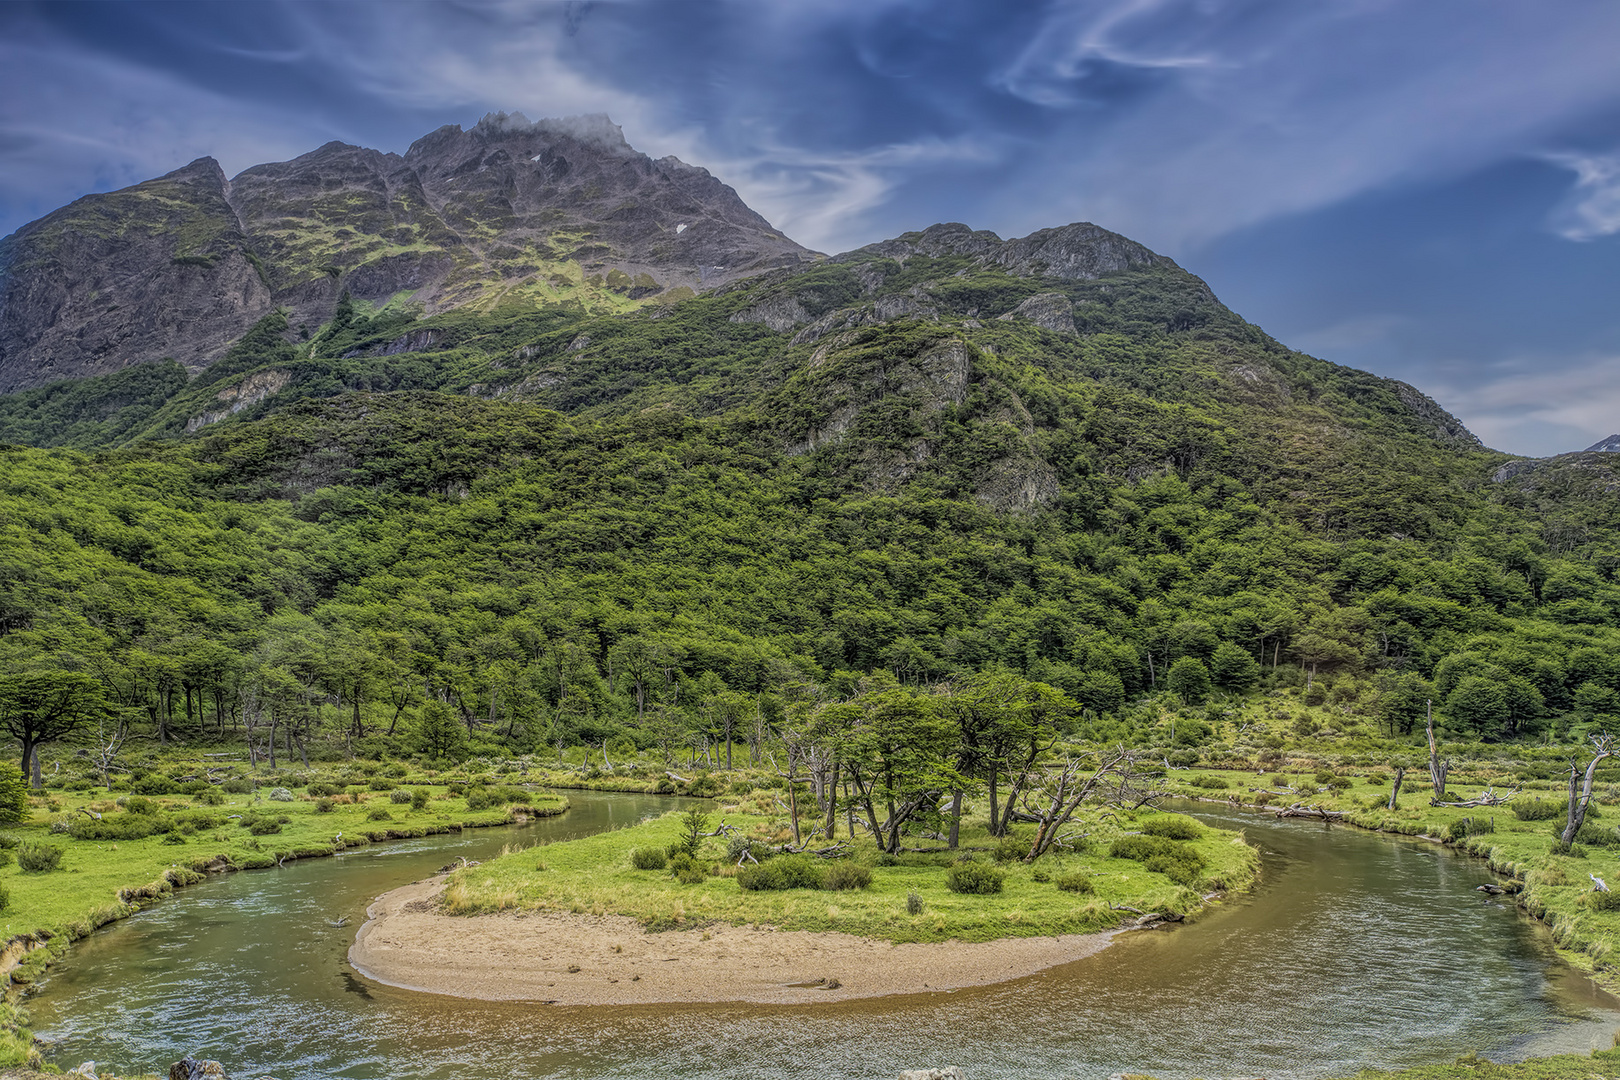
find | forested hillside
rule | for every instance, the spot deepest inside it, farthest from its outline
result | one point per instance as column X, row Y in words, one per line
column 936, row 456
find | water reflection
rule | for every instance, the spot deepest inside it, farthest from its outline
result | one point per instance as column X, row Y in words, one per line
column 1356, row 950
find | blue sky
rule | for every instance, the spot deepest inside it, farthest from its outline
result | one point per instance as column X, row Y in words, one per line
column 1428, row 189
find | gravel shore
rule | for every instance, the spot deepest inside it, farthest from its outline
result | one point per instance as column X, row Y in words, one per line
column 563, row 959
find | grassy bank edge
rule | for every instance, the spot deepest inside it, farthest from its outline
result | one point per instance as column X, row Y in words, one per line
column 1577, row 941
column 25, row 956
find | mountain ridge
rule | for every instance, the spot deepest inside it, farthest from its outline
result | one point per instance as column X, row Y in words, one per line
column 507, row 211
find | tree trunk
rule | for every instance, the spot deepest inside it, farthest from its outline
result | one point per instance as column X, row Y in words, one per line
column 956, row 819
column 39, row 781
column 1395, row 792
column 1578, row 799
column 994, row 812
column 832, row 805
column 1437, row 768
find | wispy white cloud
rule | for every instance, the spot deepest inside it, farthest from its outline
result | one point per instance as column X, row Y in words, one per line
column 1279, row 109
column 91, row 123
column 1593, row 207
column 1539, row 405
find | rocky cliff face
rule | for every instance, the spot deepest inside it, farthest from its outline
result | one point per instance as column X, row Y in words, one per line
column 508, row 211
column 161, row 269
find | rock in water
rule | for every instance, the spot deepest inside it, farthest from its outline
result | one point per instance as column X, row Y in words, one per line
column 949, row 1072
column 194, row 1069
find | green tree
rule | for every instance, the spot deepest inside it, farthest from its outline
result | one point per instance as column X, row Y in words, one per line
column 1189, row 679
column 1233, row 668
column 43, row 706
column 13, row 794
column 439, row 732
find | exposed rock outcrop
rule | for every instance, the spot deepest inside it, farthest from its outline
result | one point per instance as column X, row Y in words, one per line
column 1050, row 311
column 182, row 265
column 1444, row 427
column 153, row 271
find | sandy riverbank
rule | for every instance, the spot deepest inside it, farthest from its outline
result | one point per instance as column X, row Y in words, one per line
column 527, row 957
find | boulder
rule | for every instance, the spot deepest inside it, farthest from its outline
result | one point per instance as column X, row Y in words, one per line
column 949, row 1072
column 190, row 1068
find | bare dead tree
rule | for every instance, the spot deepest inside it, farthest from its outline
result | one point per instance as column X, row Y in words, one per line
column 1580, row 795
column 1110, row 776
column 1437, row 767
column 108, row 745
column 1395, row 792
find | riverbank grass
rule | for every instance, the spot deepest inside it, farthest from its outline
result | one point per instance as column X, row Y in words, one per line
column 908, row 898
column 143, row 848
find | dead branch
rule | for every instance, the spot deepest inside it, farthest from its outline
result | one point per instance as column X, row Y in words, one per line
column 1487, row 798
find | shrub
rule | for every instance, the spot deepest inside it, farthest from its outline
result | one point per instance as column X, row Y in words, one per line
column 280, row 794
column 785, row 872
column 1603, row 901
column 154, row 784
column 5, row 858
column 1011, row 849
column 5, row 898
column 399, row 797
column 119, row 827
column 1471, row 826
column 648, row 859
column 379, row 813
column 212, row 796
column 1208, row 783
column 37, row 858
column 1076, row 883
column 687, row 870
column 381, row 783
column 1161, row 855
column 487, row 798
column 174, row 838
column 137, row 805
column 237, row 786
column 1173, row 827
column 975, row 878
column 264, row 823
column 420, row 798
column 1592, row 835
column 846, row 875
column 321, row 788
column 1177, row 870
column 9, row 841
column 1540, row 809
column 324, row 806
column 913, row 904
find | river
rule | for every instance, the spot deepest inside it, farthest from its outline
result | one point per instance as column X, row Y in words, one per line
column 1356, row 950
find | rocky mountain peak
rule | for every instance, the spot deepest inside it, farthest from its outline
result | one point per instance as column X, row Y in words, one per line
column 1611, row 445
column 1077, row 252
column 512, row 210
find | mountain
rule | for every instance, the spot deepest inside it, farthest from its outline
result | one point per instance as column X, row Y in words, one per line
column 509, row 212
column 1611, row 445
column 458, row 450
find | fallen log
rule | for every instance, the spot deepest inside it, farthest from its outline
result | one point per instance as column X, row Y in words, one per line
column 1488, row 797
column 1301, row 810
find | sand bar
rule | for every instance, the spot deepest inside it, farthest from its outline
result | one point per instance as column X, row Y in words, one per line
column 527, row 956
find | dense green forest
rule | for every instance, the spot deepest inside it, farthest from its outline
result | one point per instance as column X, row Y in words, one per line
column 560, row 526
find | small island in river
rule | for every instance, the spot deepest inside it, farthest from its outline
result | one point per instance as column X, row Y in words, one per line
column 698, row 908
